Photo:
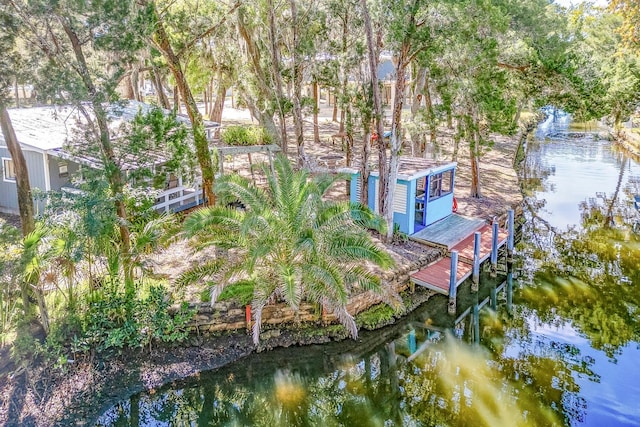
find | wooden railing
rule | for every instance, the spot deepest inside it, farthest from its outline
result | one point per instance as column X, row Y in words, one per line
column 178, row 198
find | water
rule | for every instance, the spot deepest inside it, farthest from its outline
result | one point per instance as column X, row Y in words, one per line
column 556, row 346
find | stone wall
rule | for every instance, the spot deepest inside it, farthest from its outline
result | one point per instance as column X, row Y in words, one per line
column 226, row 316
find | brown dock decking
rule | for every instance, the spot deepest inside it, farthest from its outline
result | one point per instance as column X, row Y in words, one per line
column 449, row 231
column 454, row 233
column 436, row 276
column 465, row 247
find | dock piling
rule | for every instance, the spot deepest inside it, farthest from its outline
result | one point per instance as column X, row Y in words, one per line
column 494, row 249
column 510, row 239
column 475, row 283
column 476, row 321
column 509, row 289
column 452, row 282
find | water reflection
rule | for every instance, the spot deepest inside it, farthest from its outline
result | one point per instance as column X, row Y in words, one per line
column 556, row 346
column 438, row 370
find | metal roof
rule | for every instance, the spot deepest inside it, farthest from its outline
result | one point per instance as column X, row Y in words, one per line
column 412, row 168
column 51, row 127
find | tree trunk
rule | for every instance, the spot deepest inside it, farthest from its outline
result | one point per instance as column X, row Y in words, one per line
column 16, row 94
column 277, row 76
column 456, row 140
column 474, row 151
column 112, row 170
column 205, row 98
column 218, row 103
column 297, row 71
column 316, row 130
column 516, row 118
column 417, row 138
column 383, row 180
column 177, row 106
column 365, row 170
column 157, row 83
column 345, row 74
column 25, row 202
column 349, row 138
column 135, row 82
column 128, row 88
column 396, row 135
column 264, row 89
column 197, row 124
column 431, row 115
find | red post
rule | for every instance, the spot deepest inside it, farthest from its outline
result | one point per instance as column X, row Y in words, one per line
column 247, row 316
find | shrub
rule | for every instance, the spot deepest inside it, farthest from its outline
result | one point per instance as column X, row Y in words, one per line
column 115, row 322
column 246, row 135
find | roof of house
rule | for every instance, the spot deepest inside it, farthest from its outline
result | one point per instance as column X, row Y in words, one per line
column 51, row 127
column 412, row 168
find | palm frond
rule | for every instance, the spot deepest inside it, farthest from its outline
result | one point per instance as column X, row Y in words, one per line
column 346, row 320
column 290, row 287
column 216, row 218
column 356, row 248
column 366, row 218
column 256, row 308
column 199, row 272
column 235, row 187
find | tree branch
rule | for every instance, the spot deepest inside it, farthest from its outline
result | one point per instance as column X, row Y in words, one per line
column 521, row 68
column 209, row 31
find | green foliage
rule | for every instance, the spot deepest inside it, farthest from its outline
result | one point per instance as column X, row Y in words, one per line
column 376, row 316
column 113, row 322
column 246, row 135
column 293, row 245
column 240, row 292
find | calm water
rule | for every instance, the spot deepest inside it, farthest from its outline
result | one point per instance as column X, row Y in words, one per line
column 556, row 345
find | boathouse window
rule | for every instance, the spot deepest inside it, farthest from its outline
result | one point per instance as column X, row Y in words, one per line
column 8, row 170
column 440, row 184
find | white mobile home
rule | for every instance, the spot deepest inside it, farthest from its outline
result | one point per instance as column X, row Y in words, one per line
column 43, row 134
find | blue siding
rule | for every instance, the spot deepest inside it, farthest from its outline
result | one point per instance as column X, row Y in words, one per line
column 373, row 200
column 57, row 181
column 439, row 208
column 353, row 188
column 411, row 208
column 8, row 192
column 435, row 210
column 405, row 221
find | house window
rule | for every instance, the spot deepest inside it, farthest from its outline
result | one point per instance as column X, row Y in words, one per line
column 8, row 170
column 63, row 170
column 440, row 184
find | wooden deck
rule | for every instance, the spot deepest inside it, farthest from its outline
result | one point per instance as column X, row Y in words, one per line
column 465, row 247
column 436, row 276
column 455, row 233
column 449, row 231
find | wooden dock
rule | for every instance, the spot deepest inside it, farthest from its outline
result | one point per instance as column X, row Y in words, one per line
column 449, row 231
column 465, row 247
column 469, row 242
column 436, row 276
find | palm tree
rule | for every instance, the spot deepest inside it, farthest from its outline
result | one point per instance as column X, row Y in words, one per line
column 292, row 244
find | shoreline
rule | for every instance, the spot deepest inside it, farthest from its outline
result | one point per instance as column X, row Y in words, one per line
column 39, row 396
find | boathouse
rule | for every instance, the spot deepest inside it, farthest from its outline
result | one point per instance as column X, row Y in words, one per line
column 423, row 193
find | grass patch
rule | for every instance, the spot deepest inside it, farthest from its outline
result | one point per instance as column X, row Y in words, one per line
column 375, row 316
column 240, row 292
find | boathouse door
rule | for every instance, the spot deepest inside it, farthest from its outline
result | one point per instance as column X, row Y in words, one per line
column 420, row 204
